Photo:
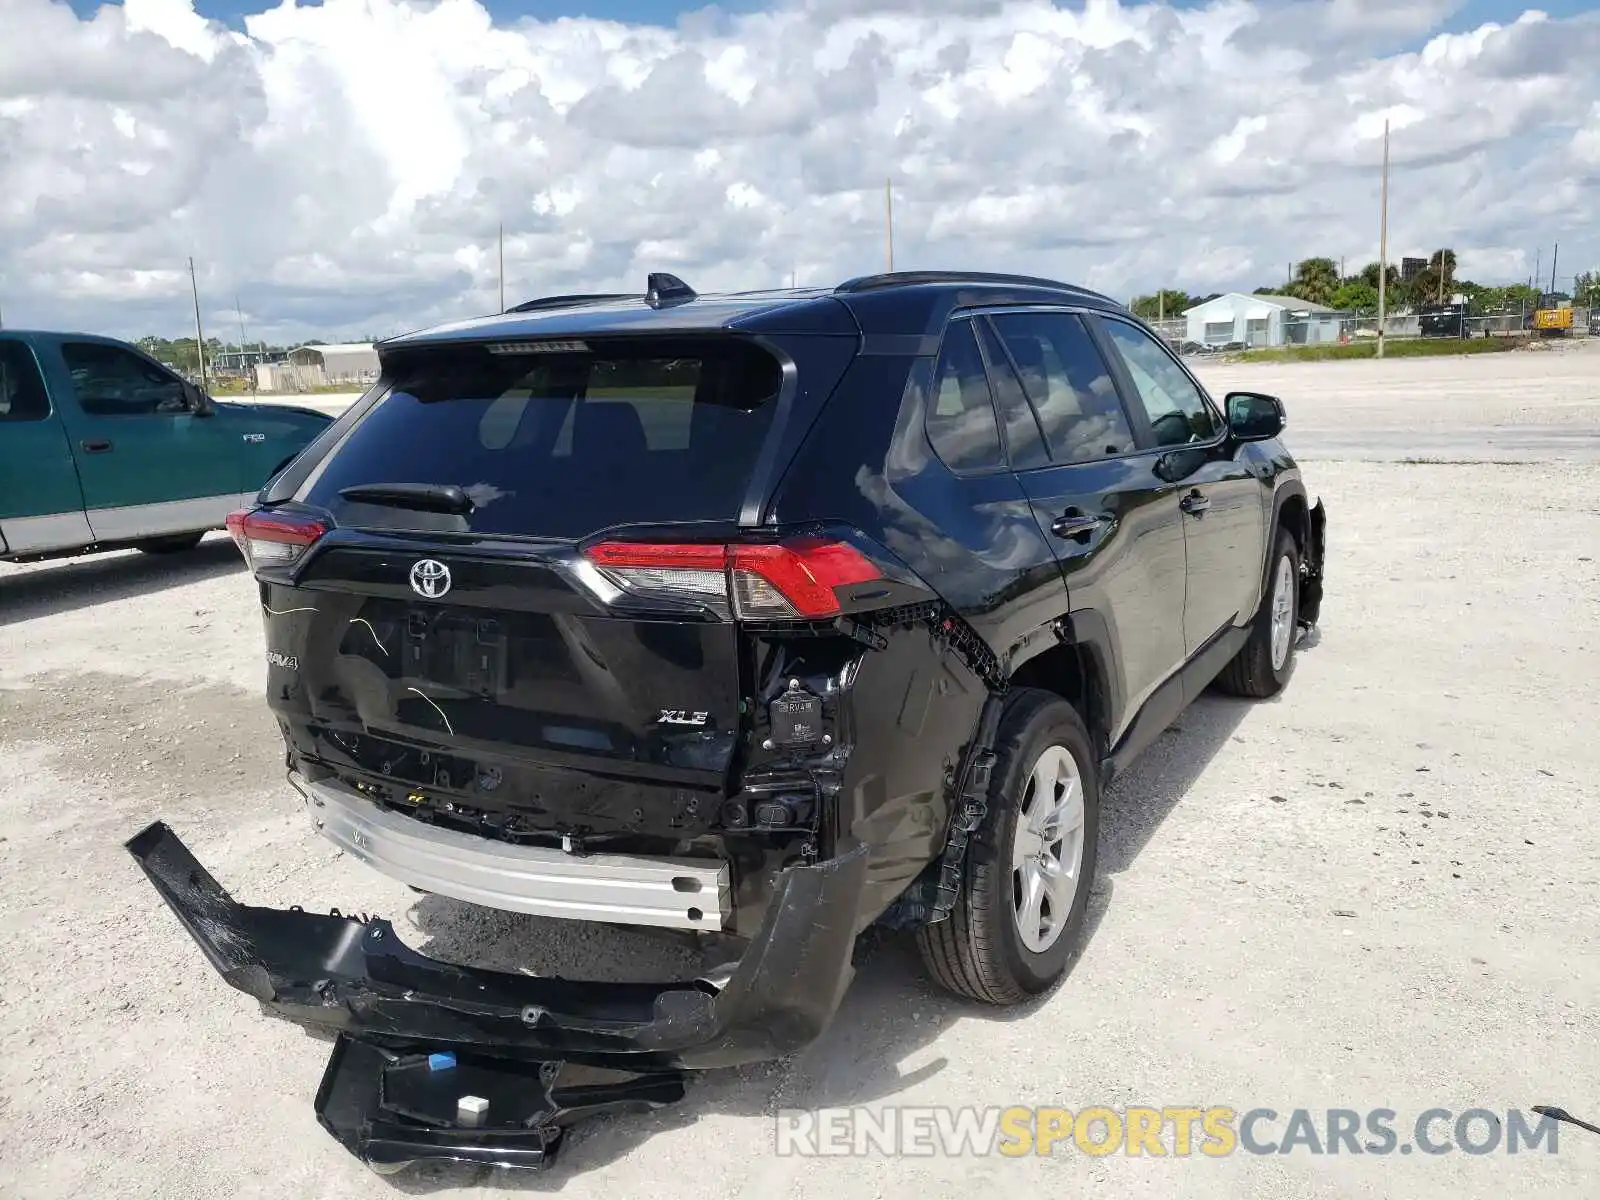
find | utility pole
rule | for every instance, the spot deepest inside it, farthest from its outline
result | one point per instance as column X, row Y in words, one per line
column 1553, row 255
column 888, row 217
column 199, row 337
column 1383, row 241
column 1441, row 275
column 502, row 266
column 1161, row 305
column 244, row 362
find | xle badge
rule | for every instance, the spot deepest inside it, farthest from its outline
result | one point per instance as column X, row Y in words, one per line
column 682, row 716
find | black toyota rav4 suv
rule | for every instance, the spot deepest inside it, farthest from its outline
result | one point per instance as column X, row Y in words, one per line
column 777, row 615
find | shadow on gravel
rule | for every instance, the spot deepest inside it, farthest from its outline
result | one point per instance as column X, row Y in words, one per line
column 50, row 589
column 890, row 1014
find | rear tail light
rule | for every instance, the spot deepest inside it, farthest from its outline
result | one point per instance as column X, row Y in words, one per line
column 268, row 539
column 792, row 580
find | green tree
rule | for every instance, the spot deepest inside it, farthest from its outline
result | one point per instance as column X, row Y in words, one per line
column 1355, row 295
column 1315, row 280
column 1586, row 290
column 1369, row 276
column 1435, row 283
column 1515, row 298
column 1167, row 302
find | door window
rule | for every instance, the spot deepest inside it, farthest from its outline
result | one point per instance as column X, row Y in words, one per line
column 22, row 394
column 1067, row 380
column 1178, row 412
column 112, row 382
column 960, row 421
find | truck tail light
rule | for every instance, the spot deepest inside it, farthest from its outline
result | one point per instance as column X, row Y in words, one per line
column 268, row 539
column 787, row 581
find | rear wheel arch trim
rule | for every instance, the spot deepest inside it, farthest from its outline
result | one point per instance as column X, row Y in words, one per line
column 1087, row 636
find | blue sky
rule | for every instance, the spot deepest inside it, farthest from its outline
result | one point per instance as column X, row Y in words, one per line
column 1471, row 14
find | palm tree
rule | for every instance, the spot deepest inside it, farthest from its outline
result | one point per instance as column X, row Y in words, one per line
column 1315, row 280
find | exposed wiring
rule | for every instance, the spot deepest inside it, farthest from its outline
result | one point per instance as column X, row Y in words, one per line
column 438, row 710
column 372, row 631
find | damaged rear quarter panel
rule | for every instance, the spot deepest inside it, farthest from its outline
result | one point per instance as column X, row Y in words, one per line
column 900, row 716
column 976, row 543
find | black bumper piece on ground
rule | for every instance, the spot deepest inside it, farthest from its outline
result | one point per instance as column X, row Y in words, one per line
column 393, row 1103
column 391, row 1005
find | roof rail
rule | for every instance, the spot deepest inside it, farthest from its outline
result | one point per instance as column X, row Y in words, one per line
column 565, row 301
column 892, row 279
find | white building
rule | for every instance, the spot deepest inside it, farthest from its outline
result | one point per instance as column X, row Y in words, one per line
column 307, row 367
column 1262, row 321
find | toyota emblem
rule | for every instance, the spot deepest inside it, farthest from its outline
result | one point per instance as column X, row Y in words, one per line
column 430, row 578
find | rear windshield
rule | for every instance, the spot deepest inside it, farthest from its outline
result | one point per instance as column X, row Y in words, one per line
column 562, row 444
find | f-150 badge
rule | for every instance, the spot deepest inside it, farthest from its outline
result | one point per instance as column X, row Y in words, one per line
column 682, row 716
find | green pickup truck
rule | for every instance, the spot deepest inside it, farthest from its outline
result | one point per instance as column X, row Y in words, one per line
column 103, row 448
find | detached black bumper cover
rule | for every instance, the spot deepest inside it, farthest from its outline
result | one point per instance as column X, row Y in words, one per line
column 354, row 976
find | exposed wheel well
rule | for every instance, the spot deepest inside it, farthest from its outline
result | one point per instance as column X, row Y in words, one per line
column 1294, row 517
column 1067, row 672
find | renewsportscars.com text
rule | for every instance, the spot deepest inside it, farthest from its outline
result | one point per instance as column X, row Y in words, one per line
column 1169, row 1131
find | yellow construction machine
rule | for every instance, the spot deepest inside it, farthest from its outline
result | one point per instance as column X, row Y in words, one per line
column 1553, row 317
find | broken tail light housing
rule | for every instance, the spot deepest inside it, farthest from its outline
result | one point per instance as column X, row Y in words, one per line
column 781, row 581
column 268, row 539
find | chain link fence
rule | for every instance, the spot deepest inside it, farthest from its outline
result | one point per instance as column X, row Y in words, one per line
column 1322, row 328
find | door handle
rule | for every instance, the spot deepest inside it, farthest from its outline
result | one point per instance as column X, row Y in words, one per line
column 95, row 446
column 1195, row 504
column 1077, row 524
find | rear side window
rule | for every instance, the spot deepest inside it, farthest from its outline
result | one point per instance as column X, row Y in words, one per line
column 22, row 394
column 961, row 423
column 564, row 444
column 1069, row 383
column 1024, row 442
column 112, row 382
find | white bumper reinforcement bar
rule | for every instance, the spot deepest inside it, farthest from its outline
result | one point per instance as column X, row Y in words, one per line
column 674, row 893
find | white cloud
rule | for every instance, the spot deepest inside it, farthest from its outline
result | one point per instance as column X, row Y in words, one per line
column 344, row 167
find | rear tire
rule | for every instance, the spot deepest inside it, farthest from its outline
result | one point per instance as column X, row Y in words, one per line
column 178, row 544
column 1263, row 664
column 1017, row 922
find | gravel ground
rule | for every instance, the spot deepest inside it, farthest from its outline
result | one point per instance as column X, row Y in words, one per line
column 1376, row 891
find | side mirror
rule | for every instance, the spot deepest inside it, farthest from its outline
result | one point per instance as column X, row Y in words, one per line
column 199, row 403
column 1254, row 416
